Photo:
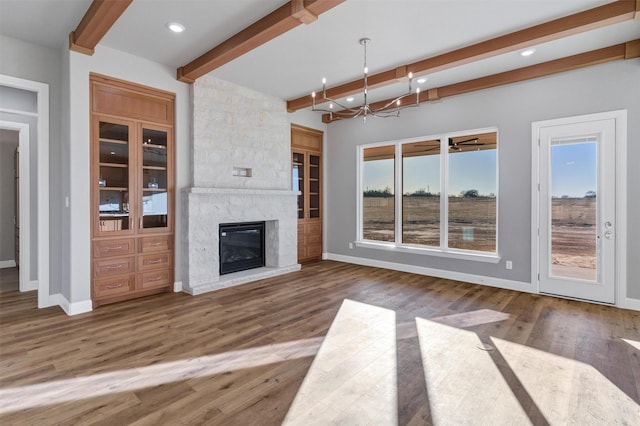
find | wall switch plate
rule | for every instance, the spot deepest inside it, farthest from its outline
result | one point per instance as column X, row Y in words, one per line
column 509, row 264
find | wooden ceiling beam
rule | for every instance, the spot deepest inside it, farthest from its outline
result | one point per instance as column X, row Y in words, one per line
column 278, row 22
column 608, row 14
column 95, row 23
column 628, row 50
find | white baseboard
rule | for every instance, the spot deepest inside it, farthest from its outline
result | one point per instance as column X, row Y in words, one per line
column 33, row 285
column 633, row 304
column 440, row 273
column 325, row 256
column 177, row 286
column 49, row 300
column 7, row 264
column 74, row 308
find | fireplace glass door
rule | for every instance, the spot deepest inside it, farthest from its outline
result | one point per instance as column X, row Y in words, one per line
column 241, row 247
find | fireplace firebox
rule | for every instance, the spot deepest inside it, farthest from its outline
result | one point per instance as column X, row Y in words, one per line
column 241, row 246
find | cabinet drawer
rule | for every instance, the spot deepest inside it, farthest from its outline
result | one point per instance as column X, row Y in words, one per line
column 108, row 267
column 106, row 287
column 155, row 261
column 314, row 250
column 110, row 248
column 156, row 279
column 153, row 244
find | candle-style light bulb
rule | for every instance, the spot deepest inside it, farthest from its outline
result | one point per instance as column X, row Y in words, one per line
column 313, row 95
column 366, row 70
column 324, row 81
column 410, row 75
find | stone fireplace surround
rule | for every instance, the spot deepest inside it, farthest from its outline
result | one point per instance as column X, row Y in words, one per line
column 207, row 208
column 241, row 161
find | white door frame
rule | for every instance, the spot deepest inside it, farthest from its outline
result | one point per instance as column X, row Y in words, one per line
column 24, row 202
column 42, row 92
column 620, row 118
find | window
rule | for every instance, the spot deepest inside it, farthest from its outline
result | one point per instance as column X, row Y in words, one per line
column 378, row 183
column 421, row 193
column 411, row 214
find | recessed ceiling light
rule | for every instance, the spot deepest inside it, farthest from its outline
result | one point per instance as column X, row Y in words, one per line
column 349, row 99
column 527, row 52
column 175, row 27
column 422, row 80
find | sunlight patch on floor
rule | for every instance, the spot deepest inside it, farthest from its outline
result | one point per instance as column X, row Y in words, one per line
column 463, row 382
column 353, row 378
column 472, row 318
column 633, row 343
column 59, row 391
column 568, row 391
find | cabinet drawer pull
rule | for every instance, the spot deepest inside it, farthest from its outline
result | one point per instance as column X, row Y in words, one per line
column 111, row 287
column 154, row 279
column 154, row 261
column 114, row 267
column 155, row 244
column 112, row 248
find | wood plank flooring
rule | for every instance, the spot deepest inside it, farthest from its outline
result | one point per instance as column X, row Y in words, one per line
column 9, row 279
column 239, row 356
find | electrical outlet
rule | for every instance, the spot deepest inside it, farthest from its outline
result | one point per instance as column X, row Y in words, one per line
column 509, row 264
column 350, row 245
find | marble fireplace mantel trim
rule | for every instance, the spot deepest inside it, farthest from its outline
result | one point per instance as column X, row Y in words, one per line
column 240, row 191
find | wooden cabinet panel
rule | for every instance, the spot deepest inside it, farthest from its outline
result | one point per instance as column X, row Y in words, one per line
column 115, row 266
column 117, row 286
column 155, row 244
column 155, row 261
column 108, row 248
column 156, row 279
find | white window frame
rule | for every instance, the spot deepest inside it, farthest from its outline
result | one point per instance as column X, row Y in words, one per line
column 397, row 245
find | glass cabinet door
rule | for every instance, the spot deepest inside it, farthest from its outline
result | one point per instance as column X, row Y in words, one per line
column 154, row 205
column 298, row 181
column 314, row 186
column 114, row 179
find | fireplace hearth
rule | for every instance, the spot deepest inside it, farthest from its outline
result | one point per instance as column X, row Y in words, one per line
column 241, row 246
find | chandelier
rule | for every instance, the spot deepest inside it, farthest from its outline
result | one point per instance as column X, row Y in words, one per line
column 390, row 109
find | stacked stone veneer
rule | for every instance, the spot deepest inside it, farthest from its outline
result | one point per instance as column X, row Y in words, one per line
column 234, row 127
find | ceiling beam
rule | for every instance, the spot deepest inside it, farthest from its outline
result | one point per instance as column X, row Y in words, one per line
column 95, row 23
column 278, row 22
column 628, row 50
column 608, row 14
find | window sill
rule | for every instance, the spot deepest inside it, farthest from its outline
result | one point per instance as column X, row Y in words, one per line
column 451, row 254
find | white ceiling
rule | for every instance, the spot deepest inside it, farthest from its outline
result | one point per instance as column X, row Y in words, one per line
column 292, row 65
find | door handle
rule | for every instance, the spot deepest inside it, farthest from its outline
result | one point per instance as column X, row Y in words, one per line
column 608, row 234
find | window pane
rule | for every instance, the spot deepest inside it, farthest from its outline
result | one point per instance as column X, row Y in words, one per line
column 378, row 210
column 472, row 189
column 574, row 208
column 421, row 193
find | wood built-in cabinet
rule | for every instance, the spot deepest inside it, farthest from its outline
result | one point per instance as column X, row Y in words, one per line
column 306, row 148
column 132, row 190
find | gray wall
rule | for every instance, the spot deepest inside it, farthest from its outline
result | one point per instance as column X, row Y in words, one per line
column 7, row 197
column 512, row 109
column 37, row 63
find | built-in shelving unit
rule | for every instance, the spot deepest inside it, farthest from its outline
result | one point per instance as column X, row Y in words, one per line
column 132, row 190
column 306, row 147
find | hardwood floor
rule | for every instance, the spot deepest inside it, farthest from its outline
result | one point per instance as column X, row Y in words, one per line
column 240, row 355
column 9, row 279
